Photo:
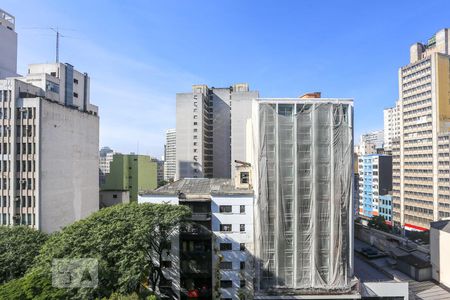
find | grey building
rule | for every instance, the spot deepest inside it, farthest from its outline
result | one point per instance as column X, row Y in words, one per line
column 211, row 130
column 303, row 208
column 8, row 45
column 49, row 149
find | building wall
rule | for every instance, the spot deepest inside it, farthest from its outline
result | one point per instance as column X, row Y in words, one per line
column 421, row 159
column 8, row 46
column 440, row 260
column 210, row 130
column 391, row 125
column 68, row 161
column 110, row 198
column 236, row 218
column 132, row 172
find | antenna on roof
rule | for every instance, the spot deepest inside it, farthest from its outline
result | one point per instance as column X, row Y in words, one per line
column 58, row 36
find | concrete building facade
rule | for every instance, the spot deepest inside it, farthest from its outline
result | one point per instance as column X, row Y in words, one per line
column 371, row 142
column 133, row 173
column 391, row 125
column 439, row 249
column 375, row 185
column 212, row 257
column 421, row 171
column 49, row 148
column 8, row 45
column 105, row 158
column 211, row 130
column 170, row 155
column 303, row 181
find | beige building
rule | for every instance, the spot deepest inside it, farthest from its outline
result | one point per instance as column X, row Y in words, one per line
column 49, row 135
column 391, row 125
column 439, row 250
column 421, row 152
column 8, row 45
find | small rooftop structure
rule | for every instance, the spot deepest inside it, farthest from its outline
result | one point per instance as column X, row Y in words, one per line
column 443, row 225
column 199, row 186
column 311, row 95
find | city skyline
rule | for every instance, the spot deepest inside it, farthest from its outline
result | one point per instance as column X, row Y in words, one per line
column 153, row 56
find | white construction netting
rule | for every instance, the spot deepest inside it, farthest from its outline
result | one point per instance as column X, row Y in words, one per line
column 303, row 213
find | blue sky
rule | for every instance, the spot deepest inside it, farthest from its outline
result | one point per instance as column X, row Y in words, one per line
column 140, row 53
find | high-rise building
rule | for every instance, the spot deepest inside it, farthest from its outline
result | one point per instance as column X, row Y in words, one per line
column 105, row 158
column 211, row 130
column 159, row 169
column 371, row 142
column 375, row 185
column 8, row 45
column 421, row 187
column 391, row 125
column 303, row 207
column 133, row 173
column 170, row 155
column 49, row 149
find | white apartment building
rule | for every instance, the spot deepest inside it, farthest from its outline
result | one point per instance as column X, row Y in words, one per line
column 391, row 125
column 303, row 181
column 8, row 45
column 49, row 136
column 106, row 155
column 421, row 171
column 211, row 130
column 215, row 252
column 170, row 155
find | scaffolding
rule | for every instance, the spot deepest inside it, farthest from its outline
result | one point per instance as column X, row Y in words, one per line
column 303, row 219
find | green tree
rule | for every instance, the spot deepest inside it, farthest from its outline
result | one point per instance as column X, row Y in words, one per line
column 378, row 222
column 19, row 246
column 121, row 238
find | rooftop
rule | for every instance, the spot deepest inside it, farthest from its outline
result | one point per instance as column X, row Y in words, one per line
column 200, row 186
column 443, row 225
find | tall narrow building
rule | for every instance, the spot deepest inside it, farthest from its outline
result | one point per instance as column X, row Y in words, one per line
column 421, row 153
column 49, row 149
column 8, row 45
column 303, row 207
column 211, row 130
column 170, row 155
column 391, row 125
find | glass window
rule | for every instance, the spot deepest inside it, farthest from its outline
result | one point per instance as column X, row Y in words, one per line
column 225, row 246
column 225, row 227
column 242, row 227
column 225, row 208
column 242, row 209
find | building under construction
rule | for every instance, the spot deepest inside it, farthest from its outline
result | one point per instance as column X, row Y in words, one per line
column 302, row 152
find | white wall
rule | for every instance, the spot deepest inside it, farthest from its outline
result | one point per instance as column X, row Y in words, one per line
column 68, row 160
column 439, row 256
column 235, row 218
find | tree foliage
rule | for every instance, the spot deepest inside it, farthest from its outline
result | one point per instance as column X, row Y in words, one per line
column 119, row 237
column 19, row 246
column 378, row 222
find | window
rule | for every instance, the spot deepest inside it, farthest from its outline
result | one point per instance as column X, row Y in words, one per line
column 225, row 246
column 225, row 208
column 242, row 284
column 53, row 74
column 244, row 177
column 242, row 265
column 75, row 81
column 242, row 227
column 166, row 264
column 242, row 209
column 195, row 123
column 242, row 246
column 226, row 284
column 75, row 95
column 226, row 265
column 114, row 196
column 225, row 227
